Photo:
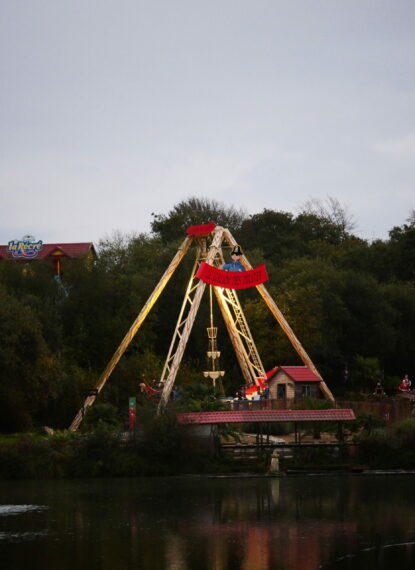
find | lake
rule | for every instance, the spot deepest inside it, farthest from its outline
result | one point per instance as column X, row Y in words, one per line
column 297, row 522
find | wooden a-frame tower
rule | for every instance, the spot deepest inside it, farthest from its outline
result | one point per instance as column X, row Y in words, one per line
column 208, row 250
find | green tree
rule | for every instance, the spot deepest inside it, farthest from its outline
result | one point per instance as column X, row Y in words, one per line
column 366, row 372
column 402, row 246
column 332, row 214
column 173, row 225
column 400, row 299
column 27, row 369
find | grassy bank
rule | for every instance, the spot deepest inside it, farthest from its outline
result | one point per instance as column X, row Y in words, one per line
column 164, row 448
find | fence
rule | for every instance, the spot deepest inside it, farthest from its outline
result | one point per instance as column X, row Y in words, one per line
column 391, row 411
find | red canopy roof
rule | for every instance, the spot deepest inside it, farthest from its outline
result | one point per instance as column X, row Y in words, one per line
column 266, row 416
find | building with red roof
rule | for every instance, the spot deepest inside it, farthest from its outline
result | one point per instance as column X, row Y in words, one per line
column 289, row 382
column 56, row 252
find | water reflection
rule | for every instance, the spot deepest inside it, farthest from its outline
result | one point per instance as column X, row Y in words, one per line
column 214, row 524
column 7, row 510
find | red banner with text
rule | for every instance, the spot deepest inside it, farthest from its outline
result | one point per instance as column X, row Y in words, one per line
column 232, row 279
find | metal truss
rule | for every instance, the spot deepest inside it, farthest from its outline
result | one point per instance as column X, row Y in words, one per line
column 234, row 315
column 183, row 315
column 185, row 321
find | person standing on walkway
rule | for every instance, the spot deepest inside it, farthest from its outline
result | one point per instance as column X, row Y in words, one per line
column 405, row 385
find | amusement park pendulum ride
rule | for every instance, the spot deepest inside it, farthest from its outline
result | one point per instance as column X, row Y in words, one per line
column 224, row 279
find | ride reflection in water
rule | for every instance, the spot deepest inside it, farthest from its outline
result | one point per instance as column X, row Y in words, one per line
column 302, row 523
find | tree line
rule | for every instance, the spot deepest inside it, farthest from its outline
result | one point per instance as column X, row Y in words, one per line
column 350, row 301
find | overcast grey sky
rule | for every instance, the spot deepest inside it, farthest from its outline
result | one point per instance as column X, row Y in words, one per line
column 113, row 109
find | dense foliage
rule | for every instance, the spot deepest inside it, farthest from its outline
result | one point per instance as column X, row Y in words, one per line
column 350, row 302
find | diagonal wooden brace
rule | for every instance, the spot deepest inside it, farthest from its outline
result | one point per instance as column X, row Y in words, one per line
column 133, row 330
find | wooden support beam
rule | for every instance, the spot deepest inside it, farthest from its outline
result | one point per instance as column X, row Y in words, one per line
column 133, row 330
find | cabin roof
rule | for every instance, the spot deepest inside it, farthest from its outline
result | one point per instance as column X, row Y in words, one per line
column 296, row 373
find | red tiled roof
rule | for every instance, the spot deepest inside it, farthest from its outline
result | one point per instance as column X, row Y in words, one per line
column 67, row 249
column 296, row 373
column 266, row 416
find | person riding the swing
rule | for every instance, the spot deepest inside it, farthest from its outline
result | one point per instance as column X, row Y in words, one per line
column 235, row 264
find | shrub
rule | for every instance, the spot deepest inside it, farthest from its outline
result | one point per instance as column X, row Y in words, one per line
column 405, row 431
column 101, row 415
column 378, row 450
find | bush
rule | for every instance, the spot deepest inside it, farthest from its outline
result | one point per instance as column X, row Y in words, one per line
column 405, row 431
column 367, row 422
column 31, row 458
column 377, row 450
column 389, row 450
column 198, row 397
column 101, row 415
column 93, row 456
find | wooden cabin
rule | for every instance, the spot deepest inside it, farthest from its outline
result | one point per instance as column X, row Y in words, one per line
column 293, row 382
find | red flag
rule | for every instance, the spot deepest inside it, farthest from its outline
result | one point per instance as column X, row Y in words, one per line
column 202, row 229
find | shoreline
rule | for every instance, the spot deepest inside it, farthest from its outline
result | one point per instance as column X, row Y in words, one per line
column 299, row 473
